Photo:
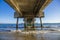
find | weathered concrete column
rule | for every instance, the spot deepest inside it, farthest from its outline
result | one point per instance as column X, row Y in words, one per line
column 17, row 23
column 33, row 24
column 41, row 15
column 25, row 21
column 41, row 23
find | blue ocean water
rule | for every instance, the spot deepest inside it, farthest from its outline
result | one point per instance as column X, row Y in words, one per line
column 21, row 26
column 5, row 27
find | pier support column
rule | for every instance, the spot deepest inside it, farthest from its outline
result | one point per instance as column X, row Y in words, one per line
column 41, row 23
column 33, row 24
column 17, row 23
column 25, row 23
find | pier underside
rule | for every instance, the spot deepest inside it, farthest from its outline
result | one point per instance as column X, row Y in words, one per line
column 28, row 9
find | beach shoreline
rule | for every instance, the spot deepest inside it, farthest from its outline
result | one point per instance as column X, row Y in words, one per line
column 36, row 35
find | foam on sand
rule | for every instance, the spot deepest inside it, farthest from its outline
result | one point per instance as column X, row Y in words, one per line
column 32, row 32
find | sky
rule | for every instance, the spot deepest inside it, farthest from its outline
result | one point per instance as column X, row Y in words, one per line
column 51, row 13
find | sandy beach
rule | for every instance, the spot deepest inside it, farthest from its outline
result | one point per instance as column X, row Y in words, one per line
column 31, row 35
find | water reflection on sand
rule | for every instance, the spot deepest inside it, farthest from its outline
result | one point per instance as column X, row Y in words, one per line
column 19, row 36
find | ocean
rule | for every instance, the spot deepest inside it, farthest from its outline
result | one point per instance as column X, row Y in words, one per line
column 5, row 27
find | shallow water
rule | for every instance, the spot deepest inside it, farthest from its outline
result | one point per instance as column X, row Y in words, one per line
column 41, row 36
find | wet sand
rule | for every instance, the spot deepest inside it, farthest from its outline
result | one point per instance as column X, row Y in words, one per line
column 45, row 35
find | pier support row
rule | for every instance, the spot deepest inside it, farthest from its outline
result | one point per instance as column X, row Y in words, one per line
column 29, row 23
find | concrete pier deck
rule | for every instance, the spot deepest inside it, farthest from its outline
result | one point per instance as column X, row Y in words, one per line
column 36, row 35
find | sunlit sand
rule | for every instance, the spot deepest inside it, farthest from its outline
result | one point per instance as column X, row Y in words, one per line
column 30, row 35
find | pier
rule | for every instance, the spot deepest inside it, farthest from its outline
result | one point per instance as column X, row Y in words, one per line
column 28, row 9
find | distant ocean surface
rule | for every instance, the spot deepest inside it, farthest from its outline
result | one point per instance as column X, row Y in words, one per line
column 21, row 26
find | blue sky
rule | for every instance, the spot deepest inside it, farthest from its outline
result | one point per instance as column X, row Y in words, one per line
column 52, row 13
